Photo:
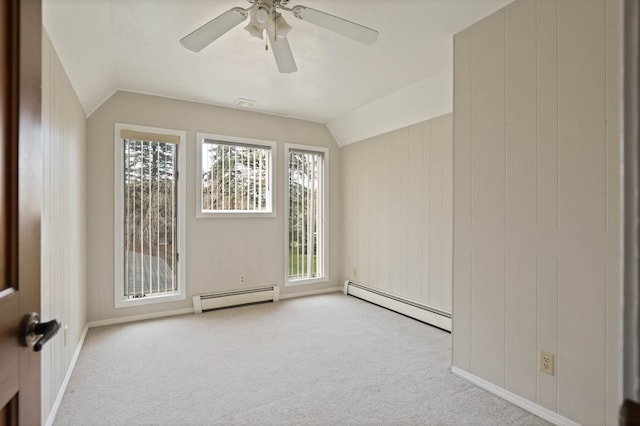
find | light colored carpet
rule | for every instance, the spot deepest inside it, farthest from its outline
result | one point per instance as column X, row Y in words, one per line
column 323, row 360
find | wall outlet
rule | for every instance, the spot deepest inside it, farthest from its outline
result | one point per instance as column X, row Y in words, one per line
column 243, row 279
column 546, row 363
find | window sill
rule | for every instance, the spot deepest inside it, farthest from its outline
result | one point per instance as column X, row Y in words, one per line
column 293, row 283
column 234, row 215
column 150, row 300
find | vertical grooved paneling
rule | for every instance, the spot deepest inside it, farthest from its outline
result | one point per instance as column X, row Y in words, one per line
column 372, row 217
column 349, row 204
column 488, row 195
column 547, row 135
column 521, row 198
column 394, row 213
column 581, row 173
column 462, row 202
column 405, row 186
column 436, row 219
column 426, row 208
column 536, row 203
column 384, row 212
column 414, row 211
column 447, row 205
column 581, row 47
column 396, row 198
column 63, row 220
column 614, row 191
column 363, row 195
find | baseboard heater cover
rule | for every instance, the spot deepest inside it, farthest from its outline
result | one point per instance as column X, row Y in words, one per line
column 424, row 313
column 225, row 299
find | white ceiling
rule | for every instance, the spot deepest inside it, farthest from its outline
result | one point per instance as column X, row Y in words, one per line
column 109, row 45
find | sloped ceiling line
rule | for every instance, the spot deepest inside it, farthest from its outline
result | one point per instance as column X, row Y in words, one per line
column 357, row 90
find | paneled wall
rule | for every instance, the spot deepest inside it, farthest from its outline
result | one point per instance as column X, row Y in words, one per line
column 219, row 250
column 537, row 191
column 397, row 192
column 63, row 221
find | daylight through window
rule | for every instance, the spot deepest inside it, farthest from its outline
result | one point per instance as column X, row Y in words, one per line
column 306, row 215
column 150, row 197
column 149, row 227
column 236, row 177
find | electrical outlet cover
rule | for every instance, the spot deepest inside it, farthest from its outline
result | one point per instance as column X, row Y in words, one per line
column 546, row 363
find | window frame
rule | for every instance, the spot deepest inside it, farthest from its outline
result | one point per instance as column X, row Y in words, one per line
column 272, row 146
column 324, row 211
column 119, row 300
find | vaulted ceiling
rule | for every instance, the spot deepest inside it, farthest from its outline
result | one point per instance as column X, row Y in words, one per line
column 357, row 90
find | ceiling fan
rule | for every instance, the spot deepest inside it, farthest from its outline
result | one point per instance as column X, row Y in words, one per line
column 264, row 16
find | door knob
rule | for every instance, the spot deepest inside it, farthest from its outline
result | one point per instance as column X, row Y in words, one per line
column 35, row 333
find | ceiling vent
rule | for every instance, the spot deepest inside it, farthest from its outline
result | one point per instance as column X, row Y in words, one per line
column 244, row 103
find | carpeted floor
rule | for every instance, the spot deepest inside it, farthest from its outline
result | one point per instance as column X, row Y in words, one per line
column 323, row 360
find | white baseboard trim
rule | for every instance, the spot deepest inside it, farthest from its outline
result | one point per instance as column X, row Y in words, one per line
column 133, row 318
column 142, row 317
column 401, row 305
column 65, row 382
column 310, row 293
column 532, row 407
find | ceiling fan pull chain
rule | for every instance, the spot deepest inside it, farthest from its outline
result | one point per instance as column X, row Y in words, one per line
column 275, row 26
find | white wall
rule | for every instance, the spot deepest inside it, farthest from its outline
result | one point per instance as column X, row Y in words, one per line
column 536, row 217
column 218, row 250
column 397, row 192
column 63, row 221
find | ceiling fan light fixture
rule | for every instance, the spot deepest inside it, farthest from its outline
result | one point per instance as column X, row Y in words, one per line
column 254, row 31
column 262, row 15
column 282, row 27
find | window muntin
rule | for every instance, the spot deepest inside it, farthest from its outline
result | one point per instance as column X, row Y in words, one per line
column 149, row 222
column 305, row 250
column 235, row 177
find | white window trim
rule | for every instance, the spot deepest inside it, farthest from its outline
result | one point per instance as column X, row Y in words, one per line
column 120, row 302
column 200, row 137
column 325, row 215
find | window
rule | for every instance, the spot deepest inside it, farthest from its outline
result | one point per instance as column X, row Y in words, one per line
column 149, row 224
column 306, row 207
column 235, row 177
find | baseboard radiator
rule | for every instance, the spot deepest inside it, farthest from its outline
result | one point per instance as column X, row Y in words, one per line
column 225, row 299
column 424, row 313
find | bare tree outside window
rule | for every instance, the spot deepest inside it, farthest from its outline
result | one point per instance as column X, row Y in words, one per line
column 150, row 197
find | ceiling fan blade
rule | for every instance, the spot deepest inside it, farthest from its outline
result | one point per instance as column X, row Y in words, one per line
column 206, row 34
column 282, row 52
column 333, row 23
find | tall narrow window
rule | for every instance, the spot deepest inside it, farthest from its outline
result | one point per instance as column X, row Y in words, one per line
column 235, row 176
column 305, row 250
column 149, row 235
